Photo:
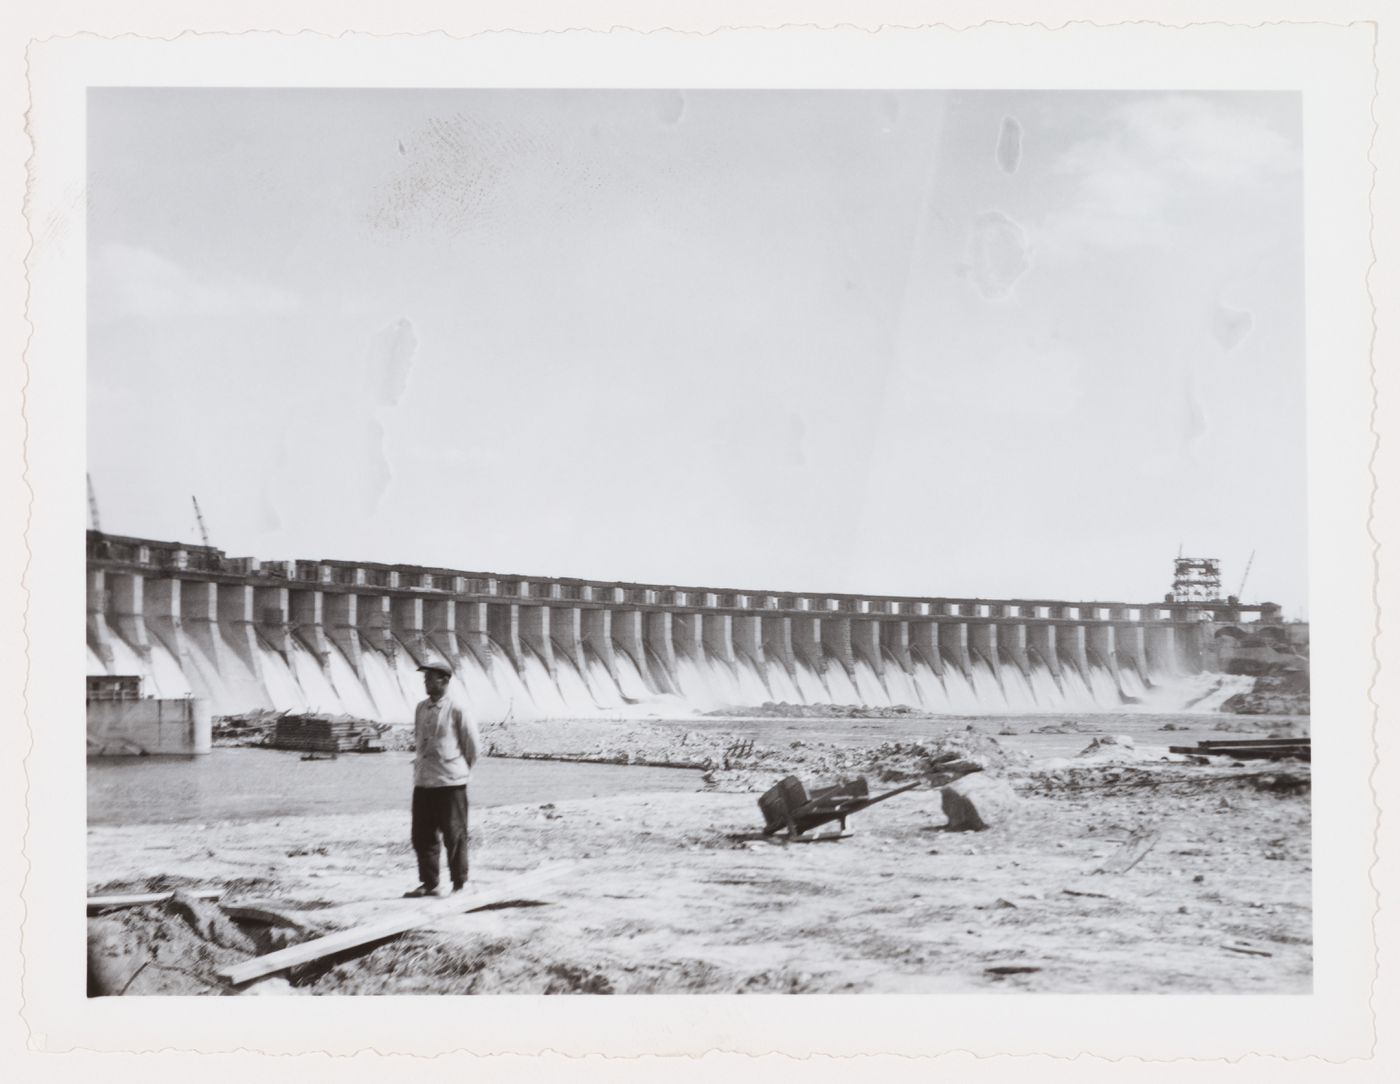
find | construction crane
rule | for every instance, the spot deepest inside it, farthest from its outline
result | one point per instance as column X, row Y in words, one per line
column 199, row 519
column 92, row 507
column 1243, row 579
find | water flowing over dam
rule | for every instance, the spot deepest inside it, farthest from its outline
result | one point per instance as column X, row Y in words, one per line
column 339, row 636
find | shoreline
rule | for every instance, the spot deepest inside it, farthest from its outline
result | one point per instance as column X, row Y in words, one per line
column 676, row 892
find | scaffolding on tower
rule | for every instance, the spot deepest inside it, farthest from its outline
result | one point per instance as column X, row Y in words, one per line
column 1197, row 579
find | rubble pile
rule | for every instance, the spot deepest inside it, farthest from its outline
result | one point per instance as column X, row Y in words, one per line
column 246, row 728
column 934, row 761
column 1273, row 728
column 784, row 710
column 176, row 947
column 646, row 748
column 1285, row 693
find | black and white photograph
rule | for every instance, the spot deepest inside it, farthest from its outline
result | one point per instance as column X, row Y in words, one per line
column 685, row 515
column 696, row 541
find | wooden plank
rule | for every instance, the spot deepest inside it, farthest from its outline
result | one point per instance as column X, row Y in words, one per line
column 1245, row 948
column 1086, row 892
column 1243, row 749
column 1254, row 741
column 514, row 888
column 138, row 899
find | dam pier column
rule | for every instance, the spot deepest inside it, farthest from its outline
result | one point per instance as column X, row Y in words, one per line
column 1100, row 644
column 342, row 626
column 439, row 629
column 308, row 619
column 566, row 637
column 126, row 598
column 748, row 639
column 894, row 642
column 1130, row 644
column 272, row 618
column 535, row 634
column 719, row 639
column 807, row 643
column 688, row 636
column 99, row 635
column 952, row 639
column 982, row 644
column 627, row 638
column 162, row 607
column 199, row 614
column 865, row 643
column 597, row 637
column 923, row 644
column 503, row 630
column 656, row 636
column 1161, row 648
column 233, row 633
column 1072, row 643
column 836, row 642
column 777, row 641
column 374, row 620
column 1011, row 640
column 1190, row 645
column 1041, row 642
column 472, row 632
column 406, row 620
column 235, row 602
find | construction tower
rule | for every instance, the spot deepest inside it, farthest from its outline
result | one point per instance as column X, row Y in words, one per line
column 1197, row 579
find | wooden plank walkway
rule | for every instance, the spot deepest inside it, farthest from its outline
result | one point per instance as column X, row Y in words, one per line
column 514, row 888
column 140, row 899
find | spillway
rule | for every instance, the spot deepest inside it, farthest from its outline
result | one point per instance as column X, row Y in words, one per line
column 339, row 636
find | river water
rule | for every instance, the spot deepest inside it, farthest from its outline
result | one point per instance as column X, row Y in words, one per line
column 251, row 784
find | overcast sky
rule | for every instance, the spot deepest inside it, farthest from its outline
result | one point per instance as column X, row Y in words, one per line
column 985, row 344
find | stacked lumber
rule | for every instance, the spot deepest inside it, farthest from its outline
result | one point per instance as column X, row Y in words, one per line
column 1250, row 748
column 317, row 733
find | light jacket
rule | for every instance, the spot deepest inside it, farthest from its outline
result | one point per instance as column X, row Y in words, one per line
column 448, row 743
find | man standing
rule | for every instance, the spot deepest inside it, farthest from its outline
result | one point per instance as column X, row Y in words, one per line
column 447, row 746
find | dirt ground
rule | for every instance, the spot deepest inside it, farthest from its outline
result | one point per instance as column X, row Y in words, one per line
column 672, row 893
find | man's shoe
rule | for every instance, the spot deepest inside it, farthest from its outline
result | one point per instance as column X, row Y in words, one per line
column 421, row 891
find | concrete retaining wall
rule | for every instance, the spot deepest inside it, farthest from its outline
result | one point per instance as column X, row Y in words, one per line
column 148, row 727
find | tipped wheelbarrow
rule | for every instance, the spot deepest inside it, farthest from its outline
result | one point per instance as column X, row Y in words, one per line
column 788, row 805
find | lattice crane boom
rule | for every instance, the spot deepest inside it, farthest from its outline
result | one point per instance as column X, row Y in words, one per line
column 92, row 507
column 199, row 519
column 1245, row 578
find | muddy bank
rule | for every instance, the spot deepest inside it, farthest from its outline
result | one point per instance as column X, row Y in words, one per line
column 784, row 710
column 679, row 894
column 747, row 753
column 1275, row 693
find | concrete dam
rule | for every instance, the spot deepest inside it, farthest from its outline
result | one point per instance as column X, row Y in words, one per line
column 340, row 636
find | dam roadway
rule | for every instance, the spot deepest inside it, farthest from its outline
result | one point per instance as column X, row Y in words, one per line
column 224, row 623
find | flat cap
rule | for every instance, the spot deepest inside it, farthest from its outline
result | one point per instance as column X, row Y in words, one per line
column 436, row 662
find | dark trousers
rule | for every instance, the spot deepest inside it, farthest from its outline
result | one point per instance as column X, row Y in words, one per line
column 440, row 813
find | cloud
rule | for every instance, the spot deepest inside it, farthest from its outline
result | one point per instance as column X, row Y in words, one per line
column 1160, row 163
column 130, row 282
